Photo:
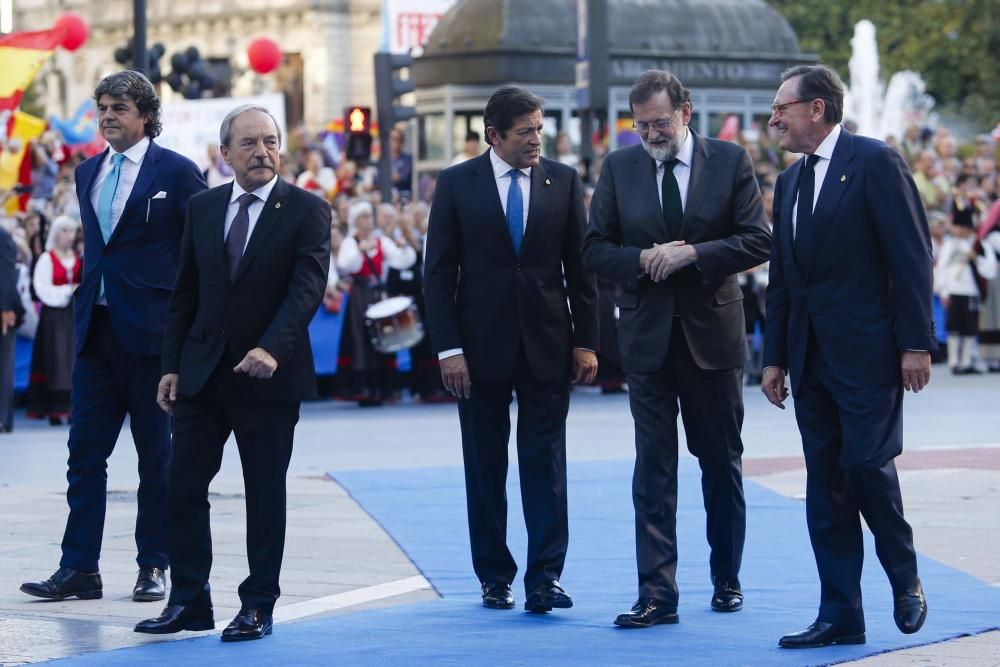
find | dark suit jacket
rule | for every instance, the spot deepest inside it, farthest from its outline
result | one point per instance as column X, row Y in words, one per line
column 277, row 289
column 139, row 262
column 723, row 218
column 866, row 288
column 9, row 298
column 486, row 299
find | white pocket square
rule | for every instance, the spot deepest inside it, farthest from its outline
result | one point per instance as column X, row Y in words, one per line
column 160, row 195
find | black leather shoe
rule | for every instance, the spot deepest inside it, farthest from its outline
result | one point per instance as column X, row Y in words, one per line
column 66, row 583
column 150, row 585
column 175, row 618
column 727, row 597
column 910, row 609
column 497, row 595
column 647, row 612
column 248, row 624
column 550, row 595
column 820, row 634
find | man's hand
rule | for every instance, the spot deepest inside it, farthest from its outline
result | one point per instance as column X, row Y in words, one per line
column 257, row 364
column 916, row 370
column 666, row 258
column 584, row 366
column 8, row 318
column 455, row 376
column 773, row 386
column 166, row 392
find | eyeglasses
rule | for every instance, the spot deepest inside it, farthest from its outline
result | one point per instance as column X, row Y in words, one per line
column 661, row 125
column 779, row 109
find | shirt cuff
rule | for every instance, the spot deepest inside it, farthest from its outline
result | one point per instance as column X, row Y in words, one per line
column 585, row 349
column 453, row 352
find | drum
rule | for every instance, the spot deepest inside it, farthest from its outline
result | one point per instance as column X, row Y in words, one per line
column 394, row 324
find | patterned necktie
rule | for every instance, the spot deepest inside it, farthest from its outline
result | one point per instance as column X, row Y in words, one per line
column 673, row 212
column 804, row 231
column 515, row 210
column 237, row 238
column 107, row 198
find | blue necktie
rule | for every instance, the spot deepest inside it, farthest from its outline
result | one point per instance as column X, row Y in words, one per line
column 515, row 211
column 107, row 198
column 105, row 202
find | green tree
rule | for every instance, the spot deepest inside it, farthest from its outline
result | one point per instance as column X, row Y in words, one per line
column 952, row 44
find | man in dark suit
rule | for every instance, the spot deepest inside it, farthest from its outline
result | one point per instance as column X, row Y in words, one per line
column 11, row 312
column 673, row 220
column 132, row 202
column 237, row 359
column 503, row 258
column 849, row 318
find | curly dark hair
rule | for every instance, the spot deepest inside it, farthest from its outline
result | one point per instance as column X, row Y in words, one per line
column 135, row 86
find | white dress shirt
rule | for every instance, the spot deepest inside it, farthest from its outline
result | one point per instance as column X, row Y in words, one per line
column 126, row 178
column 825, row 153
column 682, row 171
column 254, row 211
column 501, row 170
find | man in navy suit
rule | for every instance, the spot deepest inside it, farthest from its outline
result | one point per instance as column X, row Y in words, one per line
column 133, row 198
column 849, row 319
column 511, row 308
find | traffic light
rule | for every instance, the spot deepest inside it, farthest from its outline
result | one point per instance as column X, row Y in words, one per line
column 358, row 128
column 387, row 89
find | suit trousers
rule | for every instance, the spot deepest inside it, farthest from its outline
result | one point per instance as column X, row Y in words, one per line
column 109, row 383
column 7, row 354
column 202, row 425
column 850, row 437
column 541, row 451
column 710, row 403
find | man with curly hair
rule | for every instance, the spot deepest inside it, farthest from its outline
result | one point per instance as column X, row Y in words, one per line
column 133, row 198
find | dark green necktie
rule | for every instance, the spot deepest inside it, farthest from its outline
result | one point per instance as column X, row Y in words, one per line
column 673, row 212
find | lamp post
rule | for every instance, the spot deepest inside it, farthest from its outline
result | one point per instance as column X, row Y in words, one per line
column 139, row 61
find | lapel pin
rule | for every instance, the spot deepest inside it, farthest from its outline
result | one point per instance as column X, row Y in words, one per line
column 548, row 181
column 278, row 205
column 843, row 177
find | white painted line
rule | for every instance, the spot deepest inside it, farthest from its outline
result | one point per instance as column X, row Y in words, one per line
column 351, row 598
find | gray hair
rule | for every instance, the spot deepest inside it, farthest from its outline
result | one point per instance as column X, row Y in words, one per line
column 135, row 86
column 819, row 82
column 656, row 81
column 240, row 110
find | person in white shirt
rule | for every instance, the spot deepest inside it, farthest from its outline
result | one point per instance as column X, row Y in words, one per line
column 366, row 257
column 57, row 275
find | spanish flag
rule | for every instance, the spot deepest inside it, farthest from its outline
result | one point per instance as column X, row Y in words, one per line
column 22, row 55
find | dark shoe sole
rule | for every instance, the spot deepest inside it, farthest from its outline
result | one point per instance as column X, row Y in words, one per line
column 497, row 605
column 727, row 609
column 846, row 639
column 148, row 597
column 83, row 595
column 670, row 619
column 536, row 608
column 245, row 638
column 194, row 626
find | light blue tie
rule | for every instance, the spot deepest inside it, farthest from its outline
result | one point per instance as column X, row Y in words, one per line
column 107, row 198
column 515, row 211
column 105, row 202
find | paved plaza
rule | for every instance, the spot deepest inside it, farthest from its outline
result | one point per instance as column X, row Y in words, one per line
column 340, row 561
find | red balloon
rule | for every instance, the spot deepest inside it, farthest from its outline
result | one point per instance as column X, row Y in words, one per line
column 75, row 30
column 264, row 55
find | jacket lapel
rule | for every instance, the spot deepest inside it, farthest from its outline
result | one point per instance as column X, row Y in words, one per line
column 541, row 184
column 702, row 170
column 645, row 180
column 485, row 184
column 87, row 211
column 147, row 173
column 265, row 224
column 838, row 178
column 215, row 226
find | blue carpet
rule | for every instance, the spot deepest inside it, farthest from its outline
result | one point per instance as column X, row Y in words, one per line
column 424, row 510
